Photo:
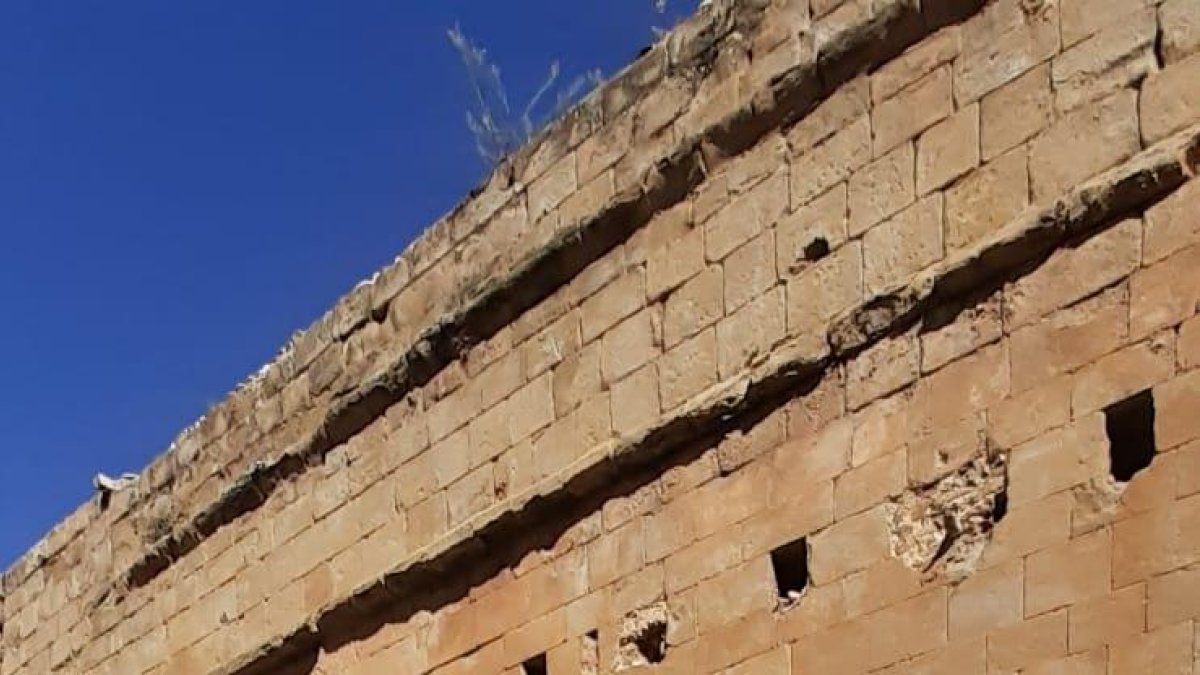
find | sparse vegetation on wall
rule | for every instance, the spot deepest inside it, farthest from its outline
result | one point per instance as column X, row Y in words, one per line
column 497, row 126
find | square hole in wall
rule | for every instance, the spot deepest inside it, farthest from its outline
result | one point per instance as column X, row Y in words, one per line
column 790, row 564
column 1130, row 427
column 535, row 666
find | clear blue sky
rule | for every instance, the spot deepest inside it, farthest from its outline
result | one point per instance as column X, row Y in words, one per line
column 183, row 184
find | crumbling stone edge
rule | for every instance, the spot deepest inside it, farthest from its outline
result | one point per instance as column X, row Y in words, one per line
column 1011, row 253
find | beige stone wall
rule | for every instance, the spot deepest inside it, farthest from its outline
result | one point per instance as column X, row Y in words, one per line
column 896, row 285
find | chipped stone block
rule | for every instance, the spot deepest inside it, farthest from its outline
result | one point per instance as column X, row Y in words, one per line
column 941, row 529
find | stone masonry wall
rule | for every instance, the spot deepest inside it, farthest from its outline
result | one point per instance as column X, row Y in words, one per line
column 836, row 336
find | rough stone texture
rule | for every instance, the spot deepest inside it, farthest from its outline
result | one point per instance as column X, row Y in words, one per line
column 941, row 529
column 744, row 295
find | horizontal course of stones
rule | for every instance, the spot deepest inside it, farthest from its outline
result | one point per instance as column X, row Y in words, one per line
column 370, row 394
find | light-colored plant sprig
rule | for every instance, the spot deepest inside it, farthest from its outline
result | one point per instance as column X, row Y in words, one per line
column 497, row 130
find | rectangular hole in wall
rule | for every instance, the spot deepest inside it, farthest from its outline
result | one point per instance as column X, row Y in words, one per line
column 1130, row 427
column 790, row 564
column 535, row 666
column 589, row 654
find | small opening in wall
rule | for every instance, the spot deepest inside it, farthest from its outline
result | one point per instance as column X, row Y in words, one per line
column 535, row 666
column 651, row 642
column 643, row 638
column 1130, row 427
column 589, row 653
column 999, row 507
column 818, row 248
column 790, row 563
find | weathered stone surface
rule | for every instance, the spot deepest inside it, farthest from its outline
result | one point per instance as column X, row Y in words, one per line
column 687, row 383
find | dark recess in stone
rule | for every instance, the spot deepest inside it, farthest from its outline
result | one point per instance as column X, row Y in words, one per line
column 1130, row 427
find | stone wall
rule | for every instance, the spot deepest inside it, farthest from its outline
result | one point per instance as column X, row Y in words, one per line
column 842, row 337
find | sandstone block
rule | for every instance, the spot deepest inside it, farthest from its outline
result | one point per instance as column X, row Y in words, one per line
column 619, row 299
column 532, row 407
column 1171, row 598
column 688, row 369
column 820, row 292
column 1116, row 57
column 821, row 167
column 1165, row 294
column 1072, row 274
column 1188, row 345
column 989, row 600
column 1083, row 18
column 550, row 346
column 1123, row 374
column 1108, row 619
column 849, row 103
column 747, row 335
column 553, row 187
column 885, row 583
column 755, row 165
column 1167, row 650
column 735, row 594
column 849, row 545
column 1175, row 405
column 880, row 428
column 882, row 369
column 750, row 271
column 920, row 60
column 1058, row 460
column 701, row 561
column 1016, row 112
column 1155, row 542
column 1026, row 415
column 815, row 458
column 865, row 486
column 1180, row 20
column 808, row 235
column 696, row 305
column 1006, row 40
column 746, row 217
column 668, row 266
column 1070, row 338
column 635, row 401
column 1068, row 573
column 907, row 629
column 913, row 110
column 1018, row 647
column 1084, row 143
column 1030, row 527
column 576, row 379
column 1169, row 102
column 948, row 150
column 907, row 243
column 631, row 344
column 616, row 554
column 973, row 328
column 881, row 188
column 1173, row 224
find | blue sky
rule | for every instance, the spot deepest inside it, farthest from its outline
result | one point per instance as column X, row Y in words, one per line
column 183, row 184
